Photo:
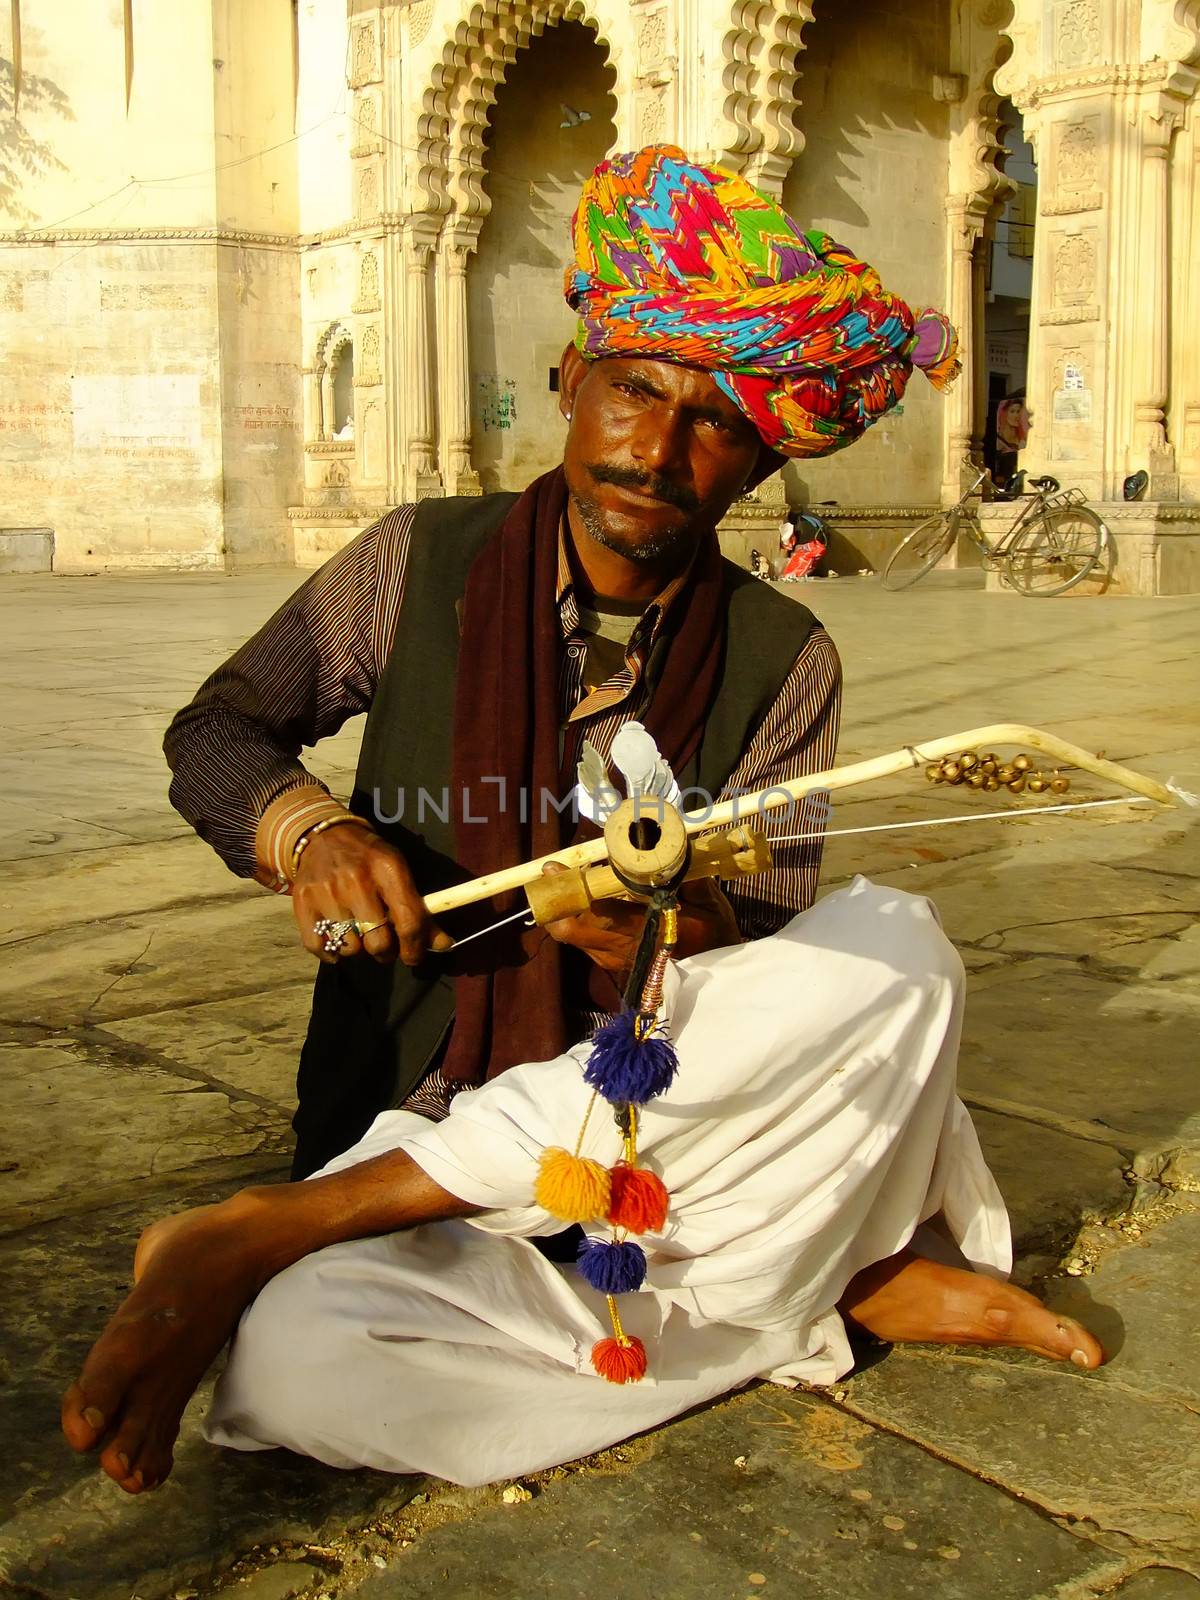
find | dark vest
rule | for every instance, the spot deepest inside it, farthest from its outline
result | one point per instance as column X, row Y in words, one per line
column 374, row 1030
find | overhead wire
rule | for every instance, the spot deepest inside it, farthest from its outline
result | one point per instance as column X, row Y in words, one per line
column 33, row 229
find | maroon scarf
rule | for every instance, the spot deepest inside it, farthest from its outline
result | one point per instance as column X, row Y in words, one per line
column 509, row 997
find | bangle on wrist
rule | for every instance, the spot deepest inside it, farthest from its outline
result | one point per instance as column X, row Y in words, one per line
column 309, row 834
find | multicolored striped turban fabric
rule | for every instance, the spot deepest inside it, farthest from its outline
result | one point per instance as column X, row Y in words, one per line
column 681, row 262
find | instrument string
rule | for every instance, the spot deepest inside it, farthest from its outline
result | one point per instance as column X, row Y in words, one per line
column 969, row 816
column 491, row 928
column 877, row 827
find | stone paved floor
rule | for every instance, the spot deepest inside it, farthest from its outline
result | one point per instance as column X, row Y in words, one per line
column 150, row 1008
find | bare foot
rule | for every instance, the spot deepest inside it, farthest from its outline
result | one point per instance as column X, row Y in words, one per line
column 194, row 1277
column 907, row 1299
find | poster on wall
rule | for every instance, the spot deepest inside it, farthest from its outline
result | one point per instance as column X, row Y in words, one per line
column 1073, row 401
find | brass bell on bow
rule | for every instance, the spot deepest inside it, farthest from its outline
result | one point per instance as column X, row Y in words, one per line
column 989, row 773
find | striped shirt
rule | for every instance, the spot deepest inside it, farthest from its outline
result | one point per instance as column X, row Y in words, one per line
column 234, row 750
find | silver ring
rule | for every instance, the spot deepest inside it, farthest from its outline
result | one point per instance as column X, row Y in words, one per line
column 335, row 931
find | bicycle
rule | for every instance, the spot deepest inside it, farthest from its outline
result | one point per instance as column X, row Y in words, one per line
column 1054, row 543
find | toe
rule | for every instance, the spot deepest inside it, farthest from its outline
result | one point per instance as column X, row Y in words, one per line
column 1085, row 1350
column 86, row 1414
column 121, row 1457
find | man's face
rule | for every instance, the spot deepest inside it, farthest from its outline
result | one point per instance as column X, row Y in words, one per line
column 655, row 456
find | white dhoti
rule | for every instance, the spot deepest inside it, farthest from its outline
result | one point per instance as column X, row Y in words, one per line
column 811, row 1130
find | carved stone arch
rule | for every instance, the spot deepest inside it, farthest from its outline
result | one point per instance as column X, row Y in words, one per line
column 977, row 190
column 457, row 104
column 336, row 338
column 331, row 341
column 758, row 135
column 978, row 172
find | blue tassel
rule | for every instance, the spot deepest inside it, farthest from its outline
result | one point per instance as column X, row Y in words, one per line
column 612, row 1268
column 627, row 1069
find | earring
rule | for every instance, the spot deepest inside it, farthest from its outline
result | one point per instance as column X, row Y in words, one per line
column 568, row 416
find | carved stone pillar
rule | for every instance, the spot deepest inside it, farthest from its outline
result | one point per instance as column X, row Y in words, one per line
column 965, row 221
column 1185, row 399
column 1151, row 347
column 422, row 475
column 458, row 244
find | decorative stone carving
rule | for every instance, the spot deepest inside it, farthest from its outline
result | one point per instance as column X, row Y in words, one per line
column 337, row 476
column 652, row 43
column 757, row 133
column 1064, row 316
column 1070, row 205
column 368, row 283
column 1070, row 371
column 365, row 141
column 420, row 17
column 368, row 373
column 364, row 55
column 422, row 475
column 368, row 193
column 320, row 405
column 1077, row 156
column 461, row 478
column 653, row 119
column 1077, row 35
column 1074, row 269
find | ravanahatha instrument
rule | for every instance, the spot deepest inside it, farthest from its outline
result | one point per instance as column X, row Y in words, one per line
column 633, row 860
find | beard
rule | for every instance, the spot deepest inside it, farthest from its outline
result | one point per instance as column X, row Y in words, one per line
column 644, row 548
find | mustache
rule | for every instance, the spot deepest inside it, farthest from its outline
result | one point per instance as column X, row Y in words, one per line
column 673, row 494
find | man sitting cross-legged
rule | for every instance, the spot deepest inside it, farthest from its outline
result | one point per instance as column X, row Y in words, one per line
column 394, row 1312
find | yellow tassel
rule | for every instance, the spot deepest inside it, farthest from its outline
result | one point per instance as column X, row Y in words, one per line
column 572, row 1188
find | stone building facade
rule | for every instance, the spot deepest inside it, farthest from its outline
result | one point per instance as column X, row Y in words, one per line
column 267, row 269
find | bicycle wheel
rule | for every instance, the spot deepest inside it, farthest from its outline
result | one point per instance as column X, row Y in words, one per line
column 1056, row 552
column 920, row 551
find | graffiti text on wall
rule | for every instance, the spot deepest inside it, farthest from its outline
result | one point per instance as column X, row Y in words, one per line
column 497, row 401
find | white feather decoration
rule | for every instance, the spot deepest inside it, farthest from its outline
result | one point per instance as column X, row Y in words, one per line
column 636, row 757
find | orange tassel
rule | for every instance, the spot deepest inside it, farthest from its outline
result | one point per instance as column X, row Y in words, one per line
column 572, row 1188
column 620, row 1362
column 943, row 373
column 639, row 1200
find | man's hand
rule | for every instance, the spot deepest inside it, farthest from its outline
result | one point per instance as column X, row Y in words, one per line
column 609, row 931
column 347, row 872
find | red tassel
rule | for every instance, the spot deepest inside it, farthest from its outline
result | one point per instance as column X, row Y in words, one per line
column 639, row 1200
column 619, row 1363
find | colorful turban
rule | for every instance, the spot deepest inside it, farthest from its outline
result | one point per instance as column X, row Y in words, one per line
column 680, row 262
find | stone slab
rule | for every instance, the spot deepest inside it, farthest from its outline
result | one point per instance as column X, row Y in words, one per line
column 1139, row 1297
column 1118, row 1449
column 88, row 886
column 1018, row 907
column 251, row 1041
column 1048, row 1179
column 771, row 1493
column 66, row 1532
column 30, row 833
column 1159, row 1583
column 152, row 961
column 1057, row 1044
column 76, row 1118
column 24, row 550
column 1084, row 1448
